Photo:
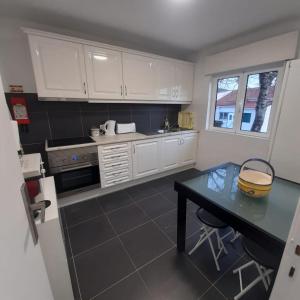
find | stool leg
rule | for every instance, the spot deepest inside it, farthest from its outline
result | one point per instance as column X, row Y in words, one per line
column 213, row 253
column 259, row 270
column 203, row 237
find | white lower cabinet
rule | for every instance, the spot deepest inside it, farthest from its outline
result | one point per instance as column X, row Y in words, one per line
column 170, row 156
column 188, row 148
column 146, row 157
column 115, row 164
column 123, row 162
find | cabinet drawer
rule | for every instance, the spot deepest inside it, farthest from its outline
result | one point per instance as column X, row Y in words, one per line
column 115, row 164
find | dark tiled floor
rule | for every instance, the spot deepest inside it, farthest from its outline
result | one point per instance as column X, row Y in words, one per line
column 123, row 246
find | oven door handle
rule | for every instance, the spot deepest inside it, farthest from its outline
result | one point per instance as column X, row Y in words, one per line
column 63, row 169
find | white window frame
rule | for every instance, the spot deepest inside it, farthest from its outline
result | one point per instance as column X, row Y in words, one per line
column 242, row 83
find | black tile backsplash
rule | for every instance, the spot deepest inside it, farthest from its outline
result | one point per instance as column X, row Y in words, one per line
column 54, row 119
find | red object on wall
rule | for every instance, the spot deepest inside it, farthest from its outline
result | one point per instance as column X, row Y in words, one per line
column 19, row 108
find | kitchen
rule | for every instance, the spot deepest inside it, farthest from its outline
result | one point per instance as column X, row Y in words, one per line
column 116, row 132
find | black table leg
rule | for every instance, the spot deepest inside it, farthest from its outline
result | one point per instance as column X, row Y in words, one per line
column 181, row 222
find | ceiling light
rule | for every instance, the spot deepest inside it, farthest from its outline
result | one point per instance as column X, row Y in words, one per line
column 100, row 57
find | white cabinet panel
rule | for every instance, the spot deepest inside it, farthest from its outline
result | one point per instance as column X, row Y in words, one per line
column 58, row 67
column 171, row 152
column 166, row 80
column 184, row 81
column 146, row 157
column 188, row 148
column 115, row 164
column 104, row 73
column 140, row 77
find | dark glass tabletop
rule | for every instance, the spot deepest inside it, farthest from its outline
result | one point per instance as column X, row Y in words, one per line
column 273, row 213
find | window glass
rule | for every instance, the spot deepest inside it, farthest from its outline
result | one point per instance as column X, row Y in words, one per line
column 226, row 96
column 258, row 101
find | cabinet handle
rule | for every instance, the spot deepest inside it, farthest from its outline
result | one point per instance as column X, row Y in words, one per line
column 121, row 90
column 126, row 90
column 84, row 88
column 133, row 148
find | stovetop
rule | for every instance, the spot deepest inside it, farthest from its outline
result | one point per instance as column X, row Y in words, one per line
column 70, row 141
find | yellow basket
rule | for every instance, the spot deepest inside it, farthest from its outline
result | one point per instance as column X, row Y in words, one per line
column 255, row 183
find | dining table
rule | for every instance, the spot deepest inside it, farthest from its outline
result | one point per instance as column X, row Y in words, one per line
column 266, row 220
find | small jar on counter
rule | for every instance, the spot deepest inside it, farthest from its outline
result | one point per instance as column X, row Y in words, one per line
column 95, row 132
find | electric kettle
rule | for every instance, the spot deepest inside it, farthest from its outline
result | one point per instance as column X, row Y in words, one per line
column 109, row 127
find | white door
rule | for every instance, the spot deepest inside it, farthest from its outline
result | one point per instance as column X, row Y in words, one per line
column 166, row 80
column 23, row 274
column 140, row 77
column 104, row 73
column 171, row 152
column 58, row 68
column 285, row 151
column 184, row 81
column 146, row 157
column 287, row 284
column 188, row 148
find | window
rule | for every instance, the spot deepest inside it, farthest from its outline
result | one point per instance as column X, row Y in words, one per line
column 243, row 103
column 225, row 101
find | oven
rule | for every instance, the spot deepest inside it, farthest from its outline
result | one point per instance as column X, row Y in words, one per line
column 75, row 169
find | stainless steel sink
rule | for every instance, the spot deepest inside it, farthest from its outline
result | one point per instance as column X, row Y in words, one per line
column 162, row 131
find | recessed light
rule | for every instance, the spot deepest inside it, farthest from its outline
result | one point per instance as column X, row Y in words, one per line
column 100, row 57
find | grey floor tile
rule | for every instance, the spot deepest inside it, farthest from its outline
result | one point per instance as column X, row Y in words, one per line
column 156, row 205
column 171, row 194
column 131, row 288
column 168, row 223
column 229, row 284
column 90, row 234
column 203, row 258
column 74, row 283
column 141, row 191
column 162, row 184
column 145, row 243
column 127, row 217
column 82, row 211
column 101, row 267
column 115, row 200
column 185, row 175
column 212, row 294
column 172, row 276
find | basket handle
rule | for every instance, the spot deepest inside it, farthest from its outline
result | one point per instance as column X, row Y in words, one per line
column 262, row 161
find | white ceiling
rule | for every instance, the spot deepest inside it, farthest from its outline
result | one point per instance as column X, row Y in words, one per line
column 184, row 26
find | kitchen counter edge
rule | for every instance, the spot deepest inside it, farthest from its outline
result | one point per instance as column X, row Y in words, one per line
column 119, row 138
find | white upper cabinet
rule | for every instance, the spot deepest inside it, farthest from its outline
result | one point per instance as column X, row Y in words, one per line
column 58, row 68
column 66, row 67
column 166, row 80
column 104, row 73
column 184, row 75
column 140, row 77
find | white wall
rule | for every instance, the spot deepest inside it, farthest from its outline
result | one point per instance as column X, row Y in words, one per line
column 214, row 147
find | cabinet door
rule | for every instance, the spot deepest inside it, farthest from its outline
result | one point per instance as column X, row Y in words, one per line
column 166, row 80
column 188, row 148
column 104, row 73
column 171, row 152
column 58, row 68
column 140, row 77
column 184, row 81
column 146, row 157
